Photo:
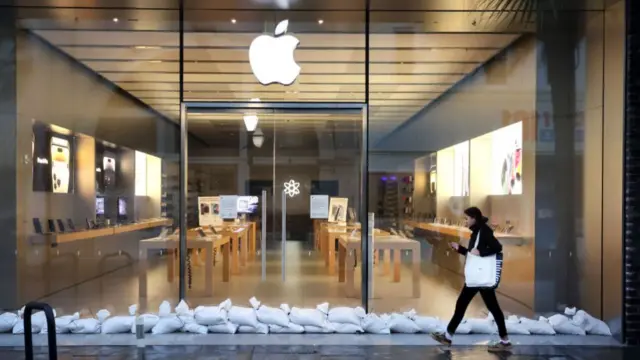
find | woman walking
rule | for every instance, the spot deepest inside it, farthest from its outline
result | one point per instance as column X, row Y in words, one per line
column 482, row 243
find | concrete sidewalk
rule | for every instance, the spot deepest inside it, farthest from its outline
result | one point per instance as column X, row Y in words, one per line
column 324, row 352
column 302, row 340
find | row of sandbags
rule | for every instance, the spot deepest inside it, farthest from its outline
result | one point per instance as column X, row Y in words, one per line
column 226, row 318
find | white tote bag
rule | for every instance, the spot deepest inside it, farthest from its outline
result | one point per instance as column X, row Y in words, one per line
column 482, row 272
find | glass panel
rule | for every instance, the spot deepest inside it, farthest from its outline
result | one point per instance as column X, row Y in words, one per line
column 96, row 150
column 482, row 108
column 246, row 151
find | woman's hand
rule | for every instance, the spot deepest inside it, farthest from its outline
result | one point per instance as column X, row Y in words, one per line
column 454, row 245
column 475, row 252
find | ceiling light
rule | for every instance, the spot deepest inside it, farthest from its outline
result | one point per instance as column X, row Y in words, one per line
column 115, row 20
column 255, row 100
column 258, row 138
column 233, row 21
column 320, row 21
column 250, row 121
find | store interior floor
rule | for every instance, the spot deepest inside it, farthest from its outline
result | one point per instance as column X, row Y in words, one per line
column 307, row 283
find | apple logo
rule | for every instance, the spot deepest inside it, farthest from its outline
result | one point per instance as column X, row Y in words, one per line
column 271, row 58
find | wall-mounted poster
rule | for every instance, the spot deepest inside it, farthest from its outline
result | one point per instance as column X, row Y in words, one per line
column 506, row 168
column 461, row 169
column 229, row 207
column 109, row 171
column 338, row 209
column 209, row 210
column 53, row 159
column 319, row 207
column 60, row 164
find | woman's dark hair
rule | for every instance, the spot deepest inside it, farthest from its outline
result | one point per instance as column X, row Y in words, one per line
column 474, row 212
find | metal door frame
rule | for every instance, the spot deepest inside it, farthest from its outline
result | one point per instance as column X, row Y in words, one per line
column 282, row 107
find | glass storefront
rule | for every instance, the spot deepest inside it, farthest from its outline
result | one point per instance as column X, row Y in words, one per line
column 310, row 151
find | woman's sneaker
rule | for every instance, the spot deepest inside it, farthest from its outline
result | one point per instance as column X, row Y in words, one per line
column 441, row 338
column 499, row 346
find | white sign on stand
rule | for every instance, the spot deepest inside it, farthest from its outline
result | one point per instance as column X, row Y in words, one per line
column 319, row 207
column 209, row 210
column 338, row 209
column 229, row 207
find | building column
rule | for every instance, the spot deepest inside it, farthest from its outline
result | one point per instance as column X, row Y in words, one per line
column 631, row 215
column 8, row 161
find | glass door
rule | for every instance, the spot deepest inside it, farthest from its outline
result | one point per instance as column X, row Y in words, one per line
column 293, row 171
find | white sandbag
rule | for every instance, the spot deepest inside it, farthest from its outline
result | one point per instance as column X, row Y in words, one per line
column 62, row 324
column 260, row 329
column 286, row 308
column 308, row 317
column 103, row 315
column 570, row 311
column 323, row 308
column 429, row 325
column 211, row 315
column 464, row 328
column 254, row 303
column 339, row 328
column 8, row 321
column 537, row 327
column 85, row 326
column 183, row 309
column 168, row 325
column 38, row 322
column 482, row 326
column 194, row 328
column 18, row 328
column 346, row 315
column 515, row 327
column 272, row 316
column 148, row 322
column 374, row 324
column 164, row 309
column 590, row 324
column 118, row 324
column 289, row 329
column 562, row 325
column 326, row 329
column 399, row 323
column 243, row 316
column 226, row 328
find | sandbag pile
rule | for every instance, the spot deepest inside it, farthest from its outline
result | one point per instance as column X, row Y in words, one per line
column 258, row 318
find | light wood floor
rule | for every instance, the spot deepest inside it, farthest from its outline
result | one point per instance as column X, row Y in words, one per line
column 306, row 284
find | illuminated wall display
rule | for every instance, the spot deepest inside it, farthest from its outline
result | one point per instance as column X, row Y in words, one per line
column 53, row 159
column 271, row 57
column 141, row 174
column 461, row 169
column 506, row 160
column 60, row 164
column 109, row 171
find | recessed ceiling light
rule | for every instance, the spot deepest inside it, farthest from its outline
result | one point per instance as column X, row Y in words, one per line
column 233, row 21
column 115, row 19
column 320, row 21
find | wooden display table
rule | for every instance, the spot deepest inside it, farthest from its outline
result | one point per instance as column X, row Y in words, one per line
column 66, row 237
column 460, row 231
column 350, row 245
column 142, row 225
column 239, row 238
column 172, row 244
column 331, row 238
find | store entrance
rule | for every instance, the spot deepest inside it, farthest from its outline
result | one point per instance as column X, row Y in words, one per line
column 264, row 179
